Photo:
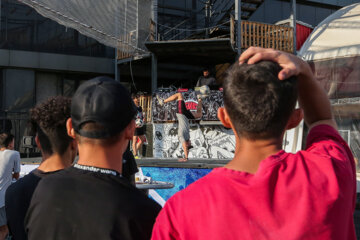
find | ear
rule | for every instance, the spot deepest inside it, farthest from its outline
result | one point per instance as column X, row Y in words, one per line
column 129, row 130
column 37, row 141
column 295, row 118
column 69, row 128
column 224, row 117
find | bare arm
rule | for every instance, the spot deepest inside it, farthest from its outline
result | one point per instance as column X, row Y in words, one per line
column 312, row 97
column 16, row 168
column 144, row 115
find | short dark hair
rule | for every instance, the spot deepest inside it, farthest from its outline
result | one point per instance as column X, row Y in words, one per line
column 49, row 119
column 135, row 95
column 93, row 126
column 6, row 139
column 258, row 103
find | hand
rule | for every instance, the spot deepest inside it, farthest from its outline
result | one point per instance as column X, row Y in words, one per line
column 312, row 97
column 290, row 64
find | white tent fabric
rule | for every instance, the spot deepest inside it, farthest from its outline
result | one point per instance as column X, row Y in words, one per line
column 117, row 23
column 333, row 52
column 336, row 36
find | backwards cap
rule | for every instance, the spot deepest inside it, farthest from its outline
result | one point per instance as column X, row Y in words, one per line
column 104, row 101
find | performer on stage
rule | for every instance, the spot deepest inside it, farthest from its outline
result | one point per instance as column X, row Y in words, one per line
column 183, row 115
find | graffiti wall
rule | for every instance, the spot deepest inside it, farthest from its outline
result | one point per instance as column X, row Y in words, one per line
column 167, row 112
column 207, row 141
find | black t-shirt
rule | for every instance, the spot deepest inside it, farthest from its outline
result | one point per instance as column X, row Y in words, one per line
column 181, row 108
column 17, row 200
column 83, row 204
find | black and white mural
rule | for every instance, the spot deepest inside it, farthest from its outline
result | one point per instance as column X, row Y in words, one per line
column 168, row 111
column 207, row 141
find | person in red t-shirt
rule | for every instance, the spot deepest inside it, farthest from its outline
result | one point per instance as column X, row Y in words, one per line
column 264, row 192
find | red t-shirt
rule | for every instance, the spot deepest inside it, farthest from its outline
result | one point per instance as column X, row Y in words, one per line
column 307, row 195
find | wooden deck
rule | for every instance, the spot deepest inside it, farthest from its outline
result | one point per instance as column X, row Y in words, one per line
column 145, row 103
column 266, row 36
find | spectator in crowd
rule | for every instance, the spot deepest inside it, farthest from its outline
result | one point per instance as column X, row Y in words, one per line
column 264, row 192
column 91, row 199
column 9, row 169
column 129, row 168
column 139, row 135
column 183, row 115
column 58, row 151
column 206, row 79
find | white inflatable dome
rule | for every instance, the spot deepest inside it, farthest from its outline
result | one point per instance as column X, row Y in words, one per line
column 333, row 51
column 336, row 36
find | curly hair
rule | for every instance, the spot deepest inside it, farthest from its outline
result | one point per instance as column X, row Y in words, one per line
column 258, row 103
column 5, row 139
column 49, row 118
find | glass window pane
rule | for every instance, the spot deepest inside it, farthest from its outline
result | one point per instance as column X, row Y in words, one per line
column 47, row 85
column 19, row 90
column 69, row 87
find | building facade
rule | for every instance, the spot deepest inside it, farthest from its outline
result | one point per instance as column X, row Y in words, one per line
column 193, row 20
column 40, row 58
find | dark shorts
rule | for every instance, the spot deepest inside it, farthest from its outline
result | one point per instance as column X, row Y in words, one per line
column 181, row 108
column 139, row 131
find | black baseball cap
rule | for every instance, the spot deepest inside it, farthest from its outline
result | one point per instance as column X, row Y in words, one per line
column 104, row 101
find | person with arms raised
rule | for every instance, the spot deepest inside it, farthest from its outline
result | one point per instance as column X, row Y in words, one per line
column 264, row 192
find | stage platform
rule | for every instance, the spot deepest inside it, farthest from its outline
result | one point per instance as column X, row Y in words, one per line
column 161, row 162
column 174, row 163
